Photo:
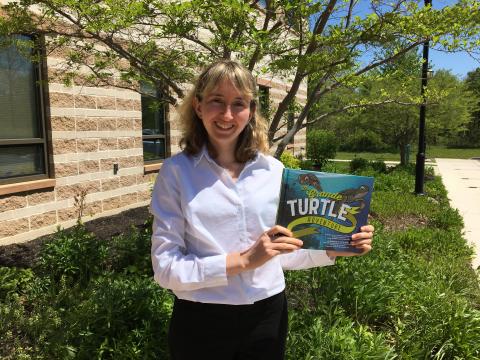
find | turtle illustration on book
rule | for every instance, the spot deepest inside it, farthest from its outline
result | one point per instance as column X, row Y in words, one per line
column 309, row 179
column 353, row 195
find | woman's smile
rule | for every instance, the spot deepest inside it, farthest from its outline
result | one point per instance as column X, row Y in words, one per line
column 223, row 125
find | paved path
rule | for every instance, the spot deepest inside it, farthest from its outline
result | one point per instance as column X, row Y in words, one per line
column 462, row 181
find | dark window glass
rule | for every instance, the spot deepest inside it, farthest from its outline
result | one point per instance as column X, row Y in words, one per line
column 153, row 149
column 264, row 99
column 153, row 124
column 22, row 136
column 153, row 117
column 290, row 122
column 21, row 161
column 17, row 96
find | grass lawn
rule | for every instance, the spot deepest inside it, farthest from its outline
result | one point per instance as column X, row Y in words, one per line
column 432, row 152
column 368, row 155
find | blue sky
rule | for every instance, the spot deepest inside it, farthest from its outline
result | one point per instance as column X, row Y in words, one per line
column 460, row 63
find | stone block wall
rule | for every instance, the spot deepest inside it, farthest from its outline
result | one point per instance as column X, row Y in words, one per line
column 91, row 129
column 278, row 90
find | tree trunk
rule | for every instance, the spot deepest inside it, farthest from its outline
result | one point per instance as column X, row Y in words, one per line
column 404, row 154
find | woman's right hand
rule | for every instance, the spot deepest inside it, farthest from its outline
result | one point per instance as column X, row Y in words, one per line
column 275, row 241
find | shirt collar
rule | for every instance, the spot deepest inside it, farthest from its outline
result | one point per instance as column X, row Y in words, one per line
column 260, row 158
column 203, row 153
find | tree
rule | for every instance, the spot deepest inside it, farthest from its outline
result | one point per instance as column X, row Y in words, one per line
column 471, row 136
column 453, row 114
column 447, row 113
column 321, row 146
column 395, row 89
column 164, row 42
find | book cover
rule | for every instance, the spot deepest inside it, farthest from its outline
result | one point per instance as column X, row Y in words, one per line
column 324, row 209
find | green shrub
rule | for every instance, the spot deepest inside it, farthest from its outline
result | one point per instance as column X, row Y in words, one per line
column 115, row 316
column 364, row 141
column 336, row 167
column 74, row 254
column 415, row 292
column 357, row 164
column 379, row 166
column 289, row 160
column 306, row 164
column 130, row 252
column 415, row 296
column 406, row 292
column 396, row 180
column 14, row 280
column 447, row 219
column 123, row 317
column 321, row 146
column 14, row 344
column 333, row 335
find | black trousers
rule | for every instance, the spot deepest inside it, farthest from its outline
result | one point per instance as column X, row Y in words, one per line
column 229, row 332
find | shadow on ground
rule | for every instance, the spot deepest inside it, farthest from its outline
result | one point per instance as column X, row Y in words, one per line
column 24, row 255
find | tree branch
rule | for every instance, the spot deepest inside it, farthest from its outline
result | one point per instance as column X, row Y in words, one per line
column 349, row 14
column 367, row 68
column 134, row 61
column 356, row 106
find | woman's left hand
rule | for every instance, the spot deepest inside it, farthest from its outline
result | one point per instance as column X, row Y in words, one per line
column 362, row 240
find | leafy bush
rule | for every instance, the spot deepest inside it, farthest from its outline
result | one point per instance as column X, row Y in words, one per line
column 289, row 160
column 121, row 318
column 130, row 252
column 306, row 164
column 379, row 166
column 447, row 219
column 13, row 280
column 414, row 296
column 358, row 164
column 364, row 141
column 74, row 254
column 336, row 167
column 321, row 146
column 333, row 335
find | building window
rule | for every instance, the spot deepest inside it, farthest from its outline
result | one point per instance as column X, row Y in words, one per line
column 154, row 115
column 23, row 143
column 290, row 122
column 264, row 99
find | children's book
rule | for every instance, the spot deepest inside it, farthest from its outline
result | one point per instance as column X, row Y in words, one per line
column 324, row 209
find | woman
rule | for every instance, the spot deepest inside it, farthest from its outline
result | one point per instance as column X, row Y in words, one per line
column 215, row 242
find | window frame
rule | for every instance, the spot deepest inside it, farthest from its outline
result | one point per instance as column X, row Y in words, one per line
column 165, row 136
column 41, row 99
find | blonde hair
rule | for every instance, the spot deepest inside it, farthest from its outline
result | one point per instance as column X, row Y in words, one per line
column 252, row 139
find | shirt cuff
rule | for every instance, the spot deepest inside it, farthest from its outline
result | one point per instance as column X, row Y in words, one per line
column 320, row 257
column 215, row 270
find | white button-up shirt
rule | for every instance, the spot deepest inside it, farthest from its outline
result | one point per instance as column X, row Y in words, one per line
column 201, row 215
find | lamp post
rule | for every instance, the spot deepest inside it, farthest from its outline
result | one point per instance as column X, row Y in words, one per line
column 420, row 164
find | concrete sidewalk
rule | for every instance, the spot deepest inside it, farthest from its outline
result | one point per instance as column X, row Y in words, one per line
column 462, row 181
column 388, row 162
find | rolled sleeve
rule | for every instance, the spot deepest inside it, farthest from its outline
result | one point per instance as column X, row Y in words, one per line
column 215, row 269
column 305, row 259
column 174, row 268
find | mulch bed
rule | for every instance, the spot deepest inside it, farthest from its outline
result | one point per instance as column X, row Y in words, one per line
column 24, row 255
